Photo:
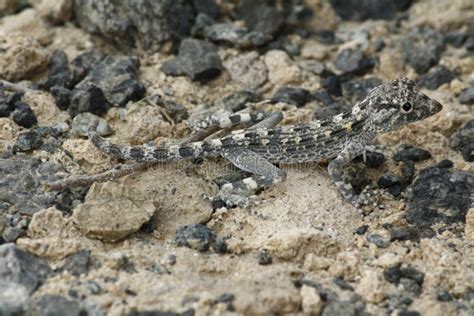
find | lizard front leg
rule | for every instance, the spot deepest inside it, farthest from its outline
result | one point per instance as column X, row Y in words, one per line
column 336, row 170
column 265, row 174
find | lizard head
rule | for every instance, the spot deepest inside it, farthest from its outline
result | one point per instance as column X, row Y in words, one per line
column 397, row 103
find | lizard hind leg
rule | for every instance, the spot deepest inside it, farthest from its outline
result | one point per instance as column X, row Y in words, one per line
column 264, row 175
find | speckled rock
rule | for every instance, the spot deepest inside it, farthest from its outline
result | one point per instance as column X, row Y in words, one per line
column 247, row 69
column 112, row 211
column 422, row 48
column 369, row 9
column 19, row 266
column 14, row 299
column 129, row 23
column 352, row 61
column 463, row 141
column 436, row 77
column 281, row 69
column 197, row 59
column 82, row 122
column 51, row 305
column 21, row 57
column 117, row 77
column 196, row 236
column 56, row 12
column 439, row 195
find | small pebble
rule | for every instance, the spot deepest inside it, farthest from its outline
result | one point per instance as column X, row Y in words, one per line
column 463, row 141
column 467, row 96
column 362, row 230
column 374, row 159
column 195, row 236
column 353, row 61
column 436, row 77
column 444, row 296
column 408, row 152
column 264, row 258
column 445, row 164
column 27, row 141
column 391, row 183
column 197, row 59
column 291, row 95
column 333, row 85
column 393, row 275
column 62, row 96
column 378, row 240
column 23, row 115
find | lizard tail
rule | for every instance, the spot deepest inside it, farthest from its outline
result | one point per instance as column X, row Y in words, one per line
column 153, row 154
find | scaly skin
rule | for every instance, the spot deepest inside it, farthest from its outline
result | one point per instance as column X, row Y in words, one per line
column 339, row 139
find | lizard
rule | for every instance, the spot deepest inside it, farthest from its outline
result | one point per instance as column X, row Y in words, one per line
column 338, row 139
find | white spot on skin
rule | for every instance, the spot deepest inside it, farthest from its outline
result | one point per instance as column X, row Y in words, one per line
column 216, row 143
column 245, row 117
column 174, row 150
column 337, row 118
column 355, row 109
column 250, row 183
column 238, row 136
column 227, row 186
column 262, row 132
column 225, row 122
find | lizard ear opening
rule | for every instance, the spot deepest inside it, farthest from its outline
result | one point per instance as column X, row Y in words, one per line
column 406, row 107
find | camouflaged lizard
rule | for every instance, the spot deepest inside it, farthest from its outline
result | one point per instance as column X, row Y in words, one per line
column 339, row 139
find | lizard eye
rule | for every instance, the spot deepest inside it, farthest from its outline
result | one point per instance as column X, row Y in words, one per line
column 407, row 107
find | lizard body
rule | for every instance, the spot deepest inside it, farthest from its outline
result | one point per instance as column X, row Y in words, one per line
column 340, row 139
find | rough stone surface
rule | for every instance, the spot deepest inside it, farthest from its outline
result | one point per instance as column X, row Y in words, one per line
column 88, row 99
column 352, row 61
column 129, row 23
column 439, row 195
column 463, row 141
column 14, row 299
column 369, row 9
column 23, row 115
column 52, row 305
column 467, row 96
column 292, row 95
column 117, row 77
column 111, row 211
column 195, row 236
column 21, row 56
column 281, row 69
column 23, row 268
column 247, row 69
column 197, row 59
column 436, row 77
column 422, row 48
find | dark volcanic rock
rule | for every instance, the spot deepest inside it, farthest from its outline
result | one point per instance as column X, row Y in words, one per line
column 59, row 72
column 369, row 9
column 23, row 115
column 5, row 107
column 356, row 90
column 463, row 141
column 55, row 305
column 467, row 96
column 19, row 266
column 422, row 48
column 260, row 16
column 228, row 33
column 332, row 85
column 197, row 59
column 149, row 23
column 90, row 99
column 29, row 140
column 378, row 240
column 436, row 77
column 62, row 96
column 408, row 152
column 291, row 95
column 439, row 195
column 77, row 263
column 84, row 63
column 21, row 184
column 264, row 258
column 207, row 7
column 353, row 61
column 195, row 236
column 117, row 77
column 374, row 159
column 391, row 183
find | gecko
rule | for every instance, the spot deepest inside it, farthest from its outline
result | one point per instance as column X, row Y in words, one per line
column 338, row 139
